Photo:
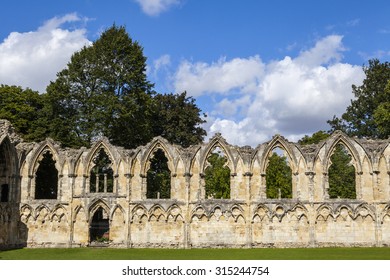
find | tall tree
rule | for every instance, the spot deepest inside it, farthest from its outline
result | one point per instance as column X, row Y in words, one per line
column 278, row 177
column 217, row 177
column 360, row 118
column 341, row 173
column 177, row 118
column 158, row 177
column 342, row 182
column 103, row 91
column 23, row 108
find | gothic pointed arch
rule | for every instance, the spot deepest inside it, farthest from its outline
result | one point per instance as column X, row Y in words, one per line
column 100, row 168
column 95, row 149
column 8, row 169
column 46, row 169
column 157, row 166
column 99, row 221
column 158, row 143
column 217, row 141
column 341, row 164
column 95, row 205
column 261, row 213
column 217, row 164
column 280, row 142
column 324, row 212
column 115, row 209
column 278, row 164
column 340, row 138
column 46, row 146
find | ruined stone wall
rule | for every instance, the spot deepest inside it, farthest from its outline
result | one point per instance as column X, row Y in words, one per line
column 188, row 218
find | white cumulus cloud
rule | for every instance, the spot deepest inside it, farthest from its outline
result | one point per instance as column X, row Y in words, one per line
column 156, row 7
column 291, row 96
column 32, row 59
column 220, row 77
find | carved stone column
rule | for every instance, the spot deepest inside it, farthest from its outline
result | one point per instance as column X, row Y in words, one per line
column 310, row 175
column 325, row 184
column 144, row 185
column 187, row 236
column 249, row 238
column 263, row 186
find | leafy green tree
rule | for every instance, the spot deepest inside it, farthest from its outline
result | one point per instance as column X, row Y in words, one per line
column 177, row 118
column 341, row 174
column 158, row 176
column 360, row 118
column 382, row 115
column 278, row 177
column 23, row 108
column 217, row 177
column 103, row 91
column 314, row 139
column 101, row 175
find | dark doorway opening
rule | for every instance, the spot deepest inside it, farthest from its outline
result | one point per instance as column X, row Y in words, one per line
column 4, row 193
column 100, row 226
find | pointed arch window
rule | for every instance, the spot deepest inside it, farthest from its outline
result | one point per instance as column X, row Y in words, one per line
column 46, row 178
column 4, row 174
column 341, row 174
column 158, row 177
column 99, row 229
column 217, row 175
column 278, row 175
column 101, row 174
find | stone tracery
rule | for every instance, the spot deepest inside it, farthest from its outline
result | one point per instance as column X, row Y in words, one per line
column 188, row 218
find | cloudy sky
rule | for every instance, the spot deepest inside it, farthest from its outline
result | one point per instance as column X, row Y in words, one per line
column 256, row 68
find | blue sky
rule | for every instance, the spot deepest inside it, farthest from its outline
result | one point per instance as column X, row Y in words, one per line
column 257, row 68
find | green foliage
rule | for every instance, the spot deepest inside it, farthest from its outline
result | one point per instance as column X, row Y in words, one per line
column 278, row 177
column 341, row 174
column 103, row 170
column 158, row 176
column 23, row 108
column 217, row 177
column 103, row 91
column 360, row 118
column 177, row 119
column 382, row 115
column 316, row 138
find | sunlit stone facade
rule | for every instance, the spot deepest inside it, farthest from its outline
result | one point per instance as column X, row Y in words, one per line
column 121, row 215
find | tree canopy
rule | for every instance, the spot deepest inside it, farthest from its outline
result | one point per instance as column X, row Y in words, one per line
column 278, row 177
column 367, row 115
column 23, row 108
column 158, row 177
column 341, row 173
column 103, row 91
column 217, row 177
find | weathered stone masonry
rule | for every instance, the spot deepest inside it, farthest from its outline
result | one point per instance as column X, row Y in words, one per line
column 188, row 219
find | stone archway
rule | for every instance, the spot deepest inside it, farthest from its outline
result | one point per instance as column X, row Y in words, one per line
column 99, row 228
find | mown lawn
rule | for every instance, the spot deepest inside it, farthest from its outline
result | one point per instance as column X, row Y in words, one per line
column 198, row 254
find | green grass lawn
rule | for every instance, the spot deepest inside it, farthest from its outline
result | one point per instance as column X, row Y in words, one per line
column 198, row 254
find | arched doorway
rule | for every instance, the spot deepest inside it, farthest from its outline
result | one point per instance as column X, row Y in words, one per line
column 99, row 230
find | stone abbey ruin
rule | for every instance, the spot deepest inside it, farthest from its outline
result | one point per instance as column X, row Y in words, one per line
column 61, row 197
